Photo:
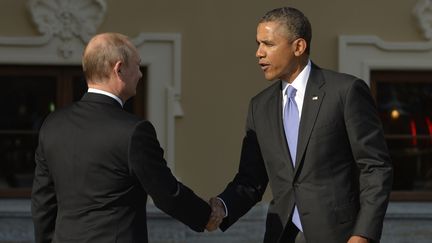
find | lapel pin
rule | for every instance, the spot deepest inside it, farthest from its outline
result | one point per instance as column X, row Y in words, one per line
column 315, row 98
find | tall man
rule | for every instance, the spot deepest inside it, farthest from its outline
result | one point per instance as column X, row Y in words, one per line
column 315, row 136
column 96, row 163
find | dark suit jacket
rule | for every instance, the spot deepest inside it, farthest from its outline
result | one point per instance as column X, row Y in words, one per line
column 343, row 173
column 95, row 165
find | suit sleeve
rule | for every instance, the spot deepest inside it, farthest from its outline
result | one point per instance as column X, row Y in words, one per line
column 250, row 182
column 148, row 165
column 371, row 155
column 43, row 199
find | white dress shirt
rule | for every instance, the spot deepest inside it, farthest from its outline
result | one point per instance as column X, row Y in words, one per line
column 299, row 84
column 98, row 91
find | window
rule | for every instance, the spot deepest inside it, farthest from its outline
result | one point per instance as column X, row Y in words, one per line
column 28, row 95
column 404, row 102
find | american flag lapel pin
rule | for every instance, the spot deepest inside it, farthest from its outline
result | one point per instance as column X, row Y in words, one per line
column 314, row 97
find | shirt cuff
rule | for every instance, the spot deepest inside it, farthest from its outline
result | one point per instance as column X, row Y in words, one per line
column 178, row 191
column 226, row 209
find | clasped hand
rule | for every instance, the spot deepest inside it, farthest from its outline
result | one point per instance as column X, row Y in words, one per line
column 217, row 215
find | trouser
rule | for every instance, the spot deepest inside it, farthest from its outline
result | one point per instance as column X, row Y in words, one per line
column 300, row 238
column 292, row 234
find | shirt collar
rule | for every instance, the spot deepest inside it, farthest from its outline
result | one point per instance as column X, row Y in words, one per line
column 98, row 91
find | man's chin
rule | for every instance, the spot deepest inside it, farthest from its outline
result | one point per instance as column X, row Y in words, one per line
column 270, row 79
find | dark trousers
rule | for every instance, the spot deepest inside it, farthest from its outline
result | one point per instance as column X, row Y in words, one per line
column 292, row 234
column 300, row 238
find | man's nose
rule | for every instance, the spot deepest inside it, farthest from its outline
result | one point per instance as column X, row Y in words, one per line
column 259, row 52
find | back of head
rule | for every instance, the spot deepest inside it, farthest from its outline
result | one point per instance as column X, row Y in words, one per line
column 101, row 54
column 296, row 23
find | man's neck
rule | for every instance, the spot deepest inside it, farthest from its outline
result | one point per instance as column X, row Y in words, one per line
column 108, row 92
column 299, row 66
column 106, row 88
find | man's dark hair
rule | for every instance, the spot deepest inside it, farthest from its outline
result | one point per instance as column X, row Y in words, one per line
column 296, row 23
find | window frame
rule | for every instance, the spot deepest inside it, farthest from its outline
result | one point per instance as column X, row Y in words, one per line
column 399, row 76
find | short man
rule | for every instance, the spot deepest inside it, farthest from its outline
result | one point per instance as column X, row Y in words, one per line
column 96, row 163
column 315, row 136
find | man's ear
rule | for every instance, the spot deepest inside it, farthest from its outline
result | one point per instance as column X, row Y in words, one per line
column 300, row 46
column 117, row 69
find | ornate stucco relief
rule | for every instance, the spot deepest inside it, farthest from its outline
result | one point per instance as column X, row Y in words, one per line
column 67, row 19
column 423, row 13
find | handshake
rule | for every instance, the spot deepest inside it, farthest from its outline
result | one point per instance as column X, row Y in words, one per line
column 217, row 215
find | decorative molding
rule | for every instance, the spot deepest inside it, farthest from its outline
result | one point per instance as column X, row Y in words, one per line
column 67, row 20
column 423, row 13
column 161, row 53
column 358, row 55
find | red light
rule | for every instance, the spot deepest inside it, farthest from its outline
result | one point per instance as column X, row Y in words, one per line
column 429, row 125
column 413, row 132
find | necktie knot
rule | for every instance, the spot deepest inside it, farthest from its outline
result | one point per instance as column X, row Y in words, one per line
column 291, row 91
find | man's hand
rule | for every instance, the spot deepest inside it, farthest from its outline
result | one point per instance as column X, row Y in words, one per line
column 217, row 215
column 357, row 239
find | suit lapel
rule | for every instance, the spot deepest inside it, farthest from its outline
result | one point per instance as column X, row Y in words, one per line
column 313, row 99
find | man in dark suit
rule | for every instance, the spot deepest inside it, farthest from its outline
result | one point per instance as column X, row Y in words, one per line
column 96, row 163
column 315, row 136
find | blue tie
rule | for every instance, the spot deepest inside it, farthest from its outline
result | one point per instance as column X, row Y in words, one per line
column 291, row 126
